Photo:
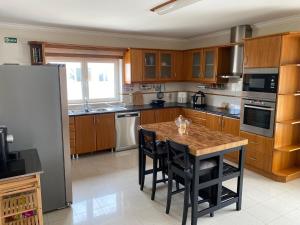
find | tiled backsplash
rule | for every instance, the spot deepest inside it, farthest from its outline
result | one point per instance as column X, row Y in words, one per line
column 229, row 93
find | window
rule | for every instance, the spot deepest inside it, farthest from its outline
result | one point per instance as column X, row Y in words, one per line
column 94, row 80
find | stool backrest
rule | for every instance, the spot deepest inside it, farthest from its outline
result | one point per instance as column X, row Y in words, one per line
column 148, row 140
column 178, row 155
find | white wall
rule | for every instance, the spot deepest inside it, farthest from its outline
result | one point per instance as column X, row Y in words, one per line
column 19, row 53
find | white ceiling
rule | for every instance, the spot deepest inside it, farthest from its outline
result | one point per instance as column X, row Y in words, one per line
column 134, row 17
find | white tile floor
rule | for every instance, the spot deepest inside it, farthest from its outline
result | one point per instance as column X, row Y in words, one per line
column 106, row 192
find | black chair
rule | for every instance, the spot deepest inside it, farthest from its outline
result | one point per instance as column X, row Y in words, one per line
column 180, row 169
column 155, row 150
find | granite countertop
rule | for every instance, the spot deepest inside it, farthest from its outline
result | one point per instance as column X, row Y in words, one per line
column 130, row 108
column 27, row 162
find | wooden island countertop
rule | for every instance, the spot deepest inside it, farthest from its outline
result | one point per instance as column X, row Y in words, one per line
column 201, row 140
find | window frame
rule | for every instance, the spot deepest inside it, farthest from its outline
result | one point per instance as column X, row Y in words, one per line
column 85, row 77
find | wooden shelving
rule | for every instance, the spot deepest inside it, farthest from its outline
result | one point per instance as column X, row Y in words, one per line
column 37, row 52
column 289, row 172
column 289, row 148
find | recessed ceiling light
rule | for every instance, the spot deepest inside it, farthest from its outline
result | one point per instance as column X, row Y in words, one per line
column 171, row 6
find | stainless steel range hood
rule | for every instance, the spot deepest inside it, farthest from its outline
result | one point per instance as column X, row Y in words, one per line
column 237, row 34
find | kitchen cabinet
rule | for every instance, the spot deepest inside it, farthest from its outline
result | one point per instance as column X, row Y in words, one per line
column 179, row 72
column 210, row 64
column 85, row 130
column 159, row 115
column 197, row 117
column 72, row 135
column 193, row 64
column 105, row 131
column 262, row 52
column 150, row 65
column 231, row 126
column 166, row 65
column 258, row 151
column 133, row 66
column 214, row 122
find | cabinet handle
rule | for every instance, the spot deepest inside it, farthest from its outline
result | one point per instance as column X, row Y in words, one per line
column 254, row 143
column 252, row 158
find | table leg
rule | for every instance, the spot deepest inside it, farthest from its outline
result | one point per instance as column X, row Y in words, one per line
column 140, row 160
column 194, row 192
column 240, row 178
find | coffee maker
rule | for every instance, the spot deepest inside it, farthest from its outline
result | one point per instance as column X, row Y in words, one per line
column 5, row 139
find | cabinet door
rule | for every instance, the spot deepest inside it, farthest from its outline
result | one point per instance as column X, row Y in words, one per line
column 150, row 66
column 231, row 126
column 262, row 52
column 134, row 66
column 196, row 116
column 165, row 115
column 85, row 138
column 148, row 116
column 197, row 65
column 258, row 151
column 72, row 134
column 105, row 131
column 210, row 64
column 214, row 122
column 179, row 72
column 166, row 65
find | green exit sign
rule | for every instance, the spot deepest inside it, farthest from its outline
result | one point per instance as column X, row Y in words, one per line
column 10, row 40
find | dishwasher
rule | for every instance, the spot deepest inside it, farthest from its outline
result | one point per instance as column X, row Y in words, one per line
column 127, row 130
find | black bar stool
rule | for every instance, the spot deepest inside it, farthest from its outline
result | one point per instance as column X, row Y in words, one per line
column 180, row 169
column 155, row 150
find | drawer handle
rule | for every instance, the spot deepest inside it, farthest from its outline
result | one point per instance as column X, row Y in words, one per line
column 254, row 143
column 252, row 158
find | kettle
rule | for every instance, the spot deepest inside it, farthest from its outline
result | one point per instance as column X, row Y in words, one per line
column 199, row 99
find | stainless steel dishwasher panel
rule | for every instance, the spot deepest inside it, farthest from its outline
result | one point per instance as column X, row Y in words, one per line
column 127, row 130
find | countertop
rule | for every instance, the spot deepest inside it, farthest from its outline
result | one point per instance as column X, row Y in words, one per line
column 130, row 108
column 28, row 163
column 201, row 140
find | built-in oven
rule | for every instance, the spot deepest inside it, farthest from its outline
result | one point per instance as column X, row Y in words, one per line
column 258, row 116
column 260, row 83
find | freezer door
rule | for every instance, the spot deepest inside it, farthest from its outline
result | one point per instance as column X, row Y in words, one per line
column 31, row 109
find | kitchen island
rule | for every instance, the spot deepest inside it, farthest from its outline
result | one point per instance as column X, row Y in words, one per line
column 205, row 144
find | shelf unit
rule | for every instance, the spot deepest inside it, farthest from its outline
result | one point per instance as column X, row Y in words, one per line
column 286, row 155
column 37, row 53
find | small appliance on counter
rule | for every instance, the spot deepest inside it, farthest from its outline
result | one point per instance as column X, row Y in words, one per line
column 182, row 97
column 158, row 103
column 199, row 100
column 5, row 139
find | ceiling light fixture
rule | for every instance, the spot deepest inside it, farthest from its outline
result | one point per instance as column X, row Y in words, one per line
column 171, row 6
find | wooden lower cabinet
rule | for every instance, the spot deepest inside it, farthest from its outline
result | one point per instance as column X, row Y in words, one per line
column 259, row 151
column 214, row 122
column 231, row 126
column 85, row 130
column 105, row 131
column 72, row 135
column 196, row 116
column 159, row 115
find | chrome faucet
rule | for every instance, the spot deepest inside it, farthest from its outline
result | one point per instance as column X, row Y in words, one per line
column 86, row 105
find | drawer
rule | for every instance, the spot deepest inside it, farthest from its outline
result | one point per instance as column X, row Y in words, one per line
column 196, row 116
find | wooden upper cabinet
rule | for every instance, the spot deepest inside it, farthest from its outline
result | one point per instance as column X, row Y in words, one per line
column 150, row 65
column 178, row 67
column 262, row 52
column 209, row 64
column 197, row 65
column 166, row 65
column 133, row 66
column 214, row 122
column 85, row 134
column 105, row 131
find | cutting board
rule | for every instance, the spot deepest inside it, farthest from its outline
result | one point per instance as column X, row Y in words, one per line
column 137, row 98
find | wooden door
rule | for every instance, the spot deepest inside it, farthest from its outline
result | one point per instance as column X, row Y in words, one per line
column 72, row 135
column 166, row 65
column 214, row 122
column 209, row 65
column 187, row 65
column 148, row 116
column 262, row 52
column 231, row 126
column 196, row 116
column 105, row 131
column 165, row 115
column 179, row 72
column 85, row 135
column 150, row 65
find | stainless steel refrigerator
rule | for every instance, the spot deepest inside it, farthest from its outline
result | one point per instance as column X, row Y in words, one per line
column 33, row 105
